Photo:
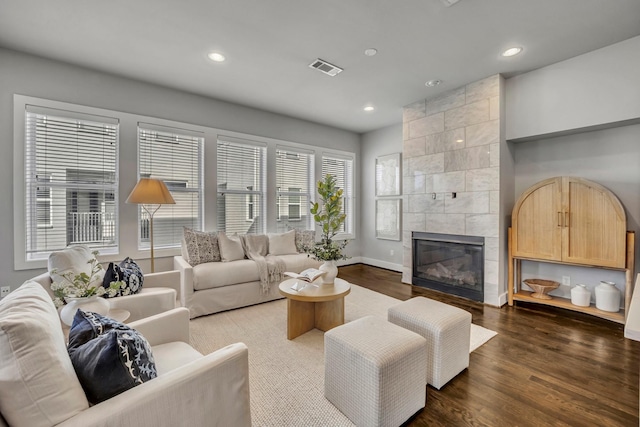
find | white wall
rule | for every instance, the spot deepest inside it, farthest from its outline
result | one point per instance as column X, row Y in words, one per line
column 375, row 251
column 32, row 76
column 599, row 88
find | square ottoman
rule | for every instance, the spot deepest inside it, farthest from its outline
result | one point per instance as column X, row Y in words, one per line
column 447, row 330
column 375, row 371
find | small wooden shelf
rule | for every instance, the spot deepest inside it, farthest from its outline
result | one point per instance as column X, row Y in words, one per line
column 523, row 295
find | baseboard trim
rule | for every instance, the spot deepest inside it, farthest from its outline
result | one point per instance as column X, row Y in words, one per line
column 382, row 264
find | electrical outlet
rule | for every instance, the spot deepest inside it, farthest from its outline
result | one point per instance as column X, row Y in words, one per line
column 566, row 280
column 391, row 252
column 4, row 291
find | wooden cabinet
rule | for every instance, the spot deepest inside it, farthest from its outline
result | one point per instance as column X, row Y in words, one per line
column 572, row 221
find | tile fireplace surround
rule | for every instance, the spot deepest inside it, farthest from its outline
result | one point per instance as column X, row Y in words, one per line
column 455, row 170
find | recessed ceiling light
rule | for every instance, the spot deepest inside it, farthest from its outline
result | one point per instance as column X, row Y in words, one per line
column 369, row 108
column 512, row 51
column 433, row 83
column 370, row 51
column 459, row 140
column 217, row 57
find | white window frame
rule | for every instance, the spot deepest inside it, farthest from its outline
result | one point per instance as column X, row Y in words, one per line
column 22, row 260
column 173, row 185
column 349, row 197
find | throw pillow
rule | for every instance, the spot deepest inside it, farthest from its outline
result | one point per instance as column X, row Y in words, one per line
column 73, row 259
column 38, row 385
column 283, row 243
column 305, row 239
column 230, row 247
column 127, row 271
column 116, row 359
column 201, row 246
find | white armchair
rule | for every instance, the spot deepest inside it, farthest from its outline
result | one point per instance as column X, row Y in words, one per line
column 38, row 386
column 159, row 293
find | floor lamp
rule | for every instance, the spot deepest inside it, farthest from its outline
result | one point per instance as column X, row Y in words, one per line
column 149, row 192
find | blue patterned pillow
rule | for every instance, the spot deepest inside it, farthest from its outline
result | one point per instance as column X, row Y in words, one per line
column 108, row 356
column 127, row 271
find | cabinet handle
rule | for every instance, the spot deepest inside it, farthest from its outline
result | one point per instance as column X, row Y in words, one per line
column 559, row 219
column 566, row 219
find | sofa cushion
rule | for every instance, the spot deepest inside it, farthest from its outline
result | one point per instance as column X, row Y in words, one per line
column 173, row 355
column 201, row 246
column 38, row 385
column 283, row 243
column 230, row 247
column 304, row 239
column 74, row 259
column 108, row 356
column 127, row 271
column 218, row 274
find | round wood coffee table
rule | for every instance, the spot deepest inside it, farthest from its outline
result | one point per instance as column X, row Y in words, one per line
column 316, row 306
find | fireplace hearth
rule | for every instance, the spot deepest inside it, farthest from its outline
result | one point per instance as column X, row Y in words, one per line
column 449, row 263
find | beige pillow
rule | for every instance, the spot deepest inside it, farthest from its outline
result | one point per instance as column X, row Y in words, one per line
column 283, row 243
column 74, row 259
column 200, row 246
column 230, row 247
column 305, row 239
column 38, row 386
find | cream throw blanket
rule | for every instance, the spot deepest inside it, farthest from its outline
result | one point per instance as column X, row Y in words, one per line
column 270, row 267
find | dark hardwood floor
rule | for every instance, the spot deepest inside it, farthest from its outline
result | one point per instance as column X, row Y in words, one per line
column 546, row 366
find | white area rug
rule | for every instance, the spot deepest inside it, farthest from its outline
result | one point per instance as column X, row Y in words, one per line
column 287, row 377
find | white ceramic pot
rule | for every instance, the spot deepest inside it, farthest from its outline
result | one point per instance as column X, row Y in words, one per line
column 95, row 304
column 580, row 296
column 331, row 271
column 607, row 297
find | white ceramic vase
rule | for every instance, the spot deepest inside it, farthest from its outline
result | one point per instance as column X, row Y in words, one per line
column 580, row 296
column 94, row 303
column 607, row 297
column 331, row 271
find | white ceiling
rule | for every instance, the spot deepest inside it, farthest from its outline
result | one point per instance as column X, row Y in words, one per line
column 269, row 44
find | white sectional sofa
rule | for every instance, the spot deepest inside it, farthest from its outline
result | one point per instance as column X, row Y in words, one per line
column 215, row 286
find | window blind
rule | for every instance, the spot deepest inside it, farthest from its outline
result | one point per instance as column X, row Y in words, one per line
column 241, row 187
column 342, row 169
column 294, row 182
column 71, row 178
column 175, row 157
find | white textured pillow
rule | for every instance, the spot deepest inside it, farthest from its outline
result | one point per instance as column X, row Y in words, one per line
column 38, row 385
column 74, row 259
column 283, row 243
column 230, row 247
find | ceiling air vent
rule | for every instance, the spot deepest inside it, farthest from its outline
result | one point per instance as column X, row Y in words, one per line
column 325, row 67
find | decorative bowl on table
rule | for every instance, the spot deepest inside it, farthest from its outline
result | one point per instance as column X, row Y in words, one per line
column 541, row 287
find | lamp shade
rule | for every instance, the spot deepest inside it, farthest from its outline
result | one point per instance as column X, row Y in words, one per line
column 150, row 192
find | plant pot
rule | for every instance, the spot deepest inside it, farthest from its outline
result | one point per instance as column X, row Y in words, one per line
column 94, row 303
column 331, row 271
column 607, row 297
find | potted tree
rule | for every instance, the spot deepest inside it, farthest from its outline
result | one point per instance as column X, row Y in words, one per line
column 327, row 213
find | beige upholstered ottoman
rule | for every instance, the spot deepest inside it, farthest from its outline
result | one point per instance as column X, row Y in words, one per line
column 447, row 331
column 374, row 371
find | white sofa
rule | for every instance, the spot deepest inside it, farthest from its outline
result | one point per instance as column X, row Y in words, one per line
column 212, row 287
column 160, row 292
column 39, row 387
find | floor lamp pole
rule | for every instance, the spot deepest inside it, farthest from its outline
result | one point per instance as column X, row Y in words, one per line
column 151, row 212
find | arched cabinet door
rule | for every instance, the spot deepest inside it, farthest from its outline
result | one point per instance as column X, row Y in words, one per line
column 571, row 220
column 537, row 222
column 595, row 226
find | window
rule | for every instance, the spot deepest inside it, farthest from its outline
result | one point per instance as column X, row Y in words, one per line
column 173, row 156
column 241, row 167
column 71, row 181
column 342, row 169
column 294, row 181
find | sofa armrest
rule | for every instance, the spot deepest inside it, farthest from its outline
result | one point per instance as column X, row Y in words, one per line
column 163, row 279
column 170, row 326
column 211, row 391
column 149, row 302
column 186, row 279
